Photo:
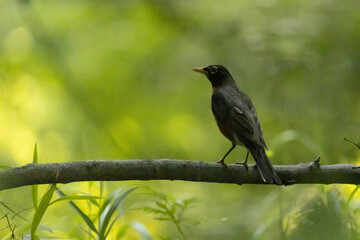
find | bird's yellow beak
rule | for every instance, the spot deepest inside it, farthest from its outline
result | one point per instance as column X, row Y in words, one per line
column 200, row 70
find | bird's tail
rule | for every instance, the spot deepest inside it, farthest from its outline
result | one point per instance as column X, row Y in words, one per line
column 262, row 162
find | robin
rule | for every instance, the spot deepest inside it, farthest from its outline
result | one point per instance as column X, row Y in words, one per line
column 237, row 119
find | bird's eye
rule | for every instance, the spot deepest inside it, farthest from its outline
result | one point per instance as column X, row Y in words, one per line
column 213, row 69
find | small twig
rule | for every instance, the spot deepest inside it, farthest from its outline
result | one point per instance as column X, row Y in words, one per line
column 317, row 162
column 12, row 229
column 356, row 144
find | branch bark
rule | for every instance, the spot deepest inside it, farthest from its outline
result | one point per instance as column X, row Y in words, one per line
column 168, row 169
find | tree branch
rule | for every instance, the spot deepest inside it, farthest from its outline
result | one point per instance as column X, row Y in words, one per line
column 168, row 169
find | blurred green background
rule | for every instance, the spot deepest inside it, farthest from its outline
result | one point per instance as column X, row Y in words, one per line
column 113, row 80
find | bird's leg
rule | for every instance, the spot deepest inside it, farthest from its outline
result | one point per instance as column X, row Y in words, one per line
column 245, row 162
column 223, row 158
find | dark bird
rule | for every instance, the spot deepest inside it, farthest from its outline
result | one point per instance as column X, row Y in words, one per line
column 237, row 119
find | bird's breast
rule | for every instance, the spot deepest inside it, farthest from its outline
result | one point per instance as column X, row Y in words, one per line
column 225, row 129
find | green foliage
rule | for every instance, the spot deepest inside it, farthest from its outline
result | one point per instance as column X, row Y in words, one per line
column 9, row 211
column 34, row 188
column 108, row 209
column 10, row 216
column 67, row 198
column 44, row 203
column 87, row 220
column 41, row 209
column 352, row 194
column 323, row 218
column 169, row 209
column 107, row 215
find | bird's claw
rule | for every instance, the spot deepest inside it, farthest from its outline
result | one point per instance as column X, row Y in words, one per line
column 243, row 163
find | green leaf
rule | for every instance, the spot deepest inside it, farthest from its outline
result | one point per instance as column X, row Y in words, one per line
column 41, row 209
column 161, row 205
column 122, row 231
column 35, row 156
column 81, row 213
column 189, row 203
column 352, row 195
column 111, row 225
column 109, row 211
column 34, row 188
column 153, row 210
column 35, row 237
column 96, row 203
column 115, row 194
column 67, row 198
column 141, row 229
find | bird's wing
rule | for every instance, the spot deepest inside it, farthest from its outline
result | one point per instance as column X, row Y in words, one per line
column 234, row 115
column 244, row 114
column 241, row 117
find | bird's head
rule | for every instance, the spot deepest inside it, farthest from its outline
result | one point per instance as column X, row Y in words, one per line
column 217, row 74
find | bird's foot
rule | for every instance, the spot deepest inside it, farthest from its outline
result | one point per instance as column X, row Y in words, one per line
column 243, row 163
